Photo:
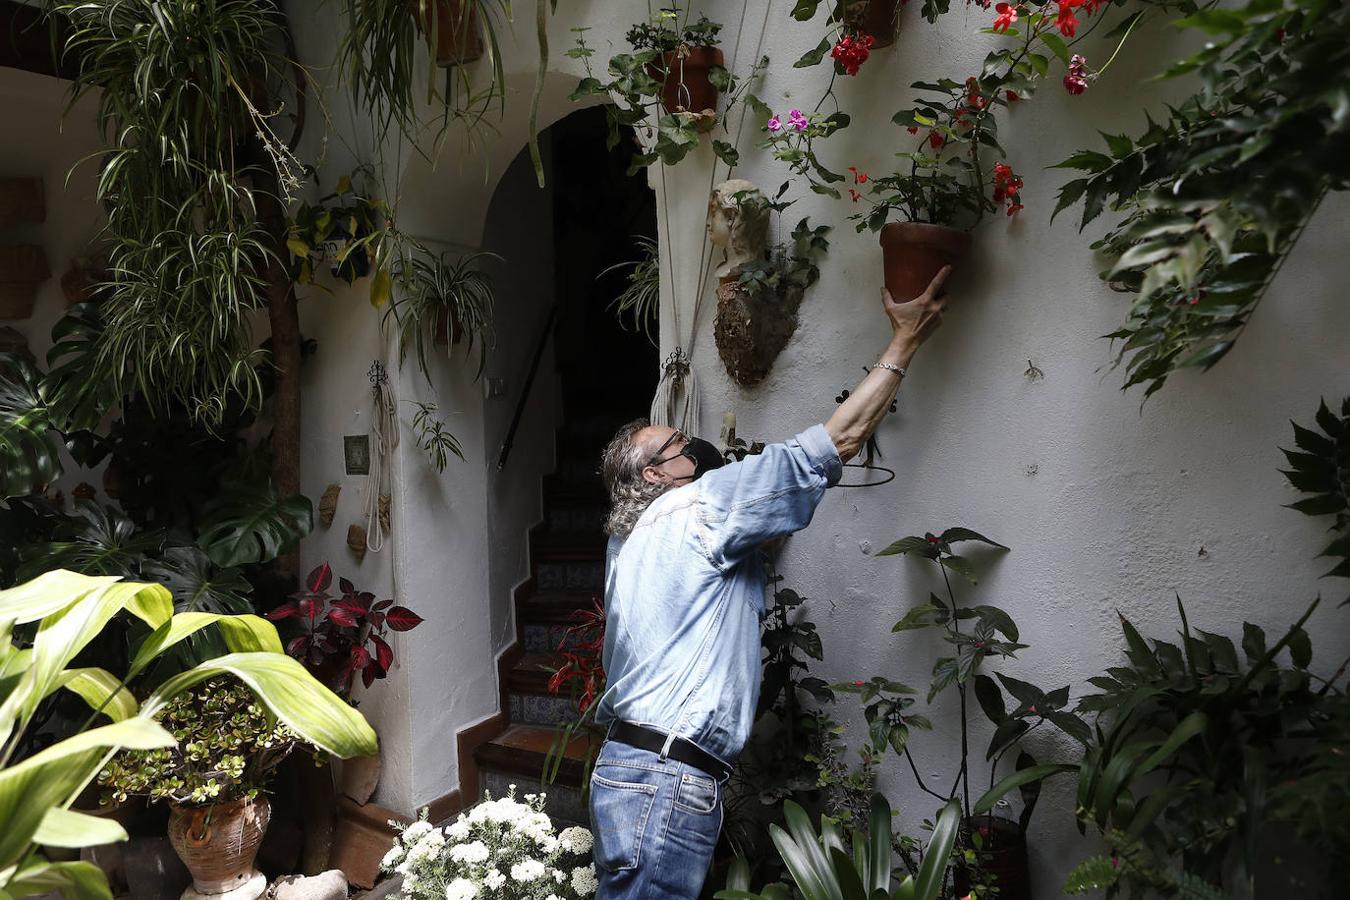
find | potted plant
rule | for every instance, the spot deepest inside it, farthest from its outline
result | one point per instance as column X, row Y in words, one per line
column 350, row 229
column 22, row 268
column 341, row 637
column 992, row 847
column 441, row 301
column 451, row 28
column 668, row 84
column 213, row 778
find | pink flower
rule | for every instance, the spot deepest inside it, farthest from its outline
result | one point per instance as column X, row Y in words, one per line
column 796, row 119
column 774, row 125
column 1075, row 82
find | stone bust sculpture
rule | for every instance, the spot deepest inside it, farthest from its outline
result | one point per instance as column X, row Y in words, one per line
column 738, row 224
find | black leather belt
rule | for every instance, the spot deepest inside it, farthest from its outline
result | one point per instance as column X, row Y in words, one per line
column 682, row 749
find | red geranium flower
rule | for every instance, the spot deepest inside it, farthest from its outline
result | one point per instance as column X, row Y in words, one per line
column 936, row 140
column 852, row 51
column 1066, row 21
column 1007, row 14
column 854, row 194
column 859, row 177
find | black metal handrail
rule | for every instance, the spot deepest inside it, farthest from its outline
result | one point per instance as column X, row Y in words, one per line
column 525, row 392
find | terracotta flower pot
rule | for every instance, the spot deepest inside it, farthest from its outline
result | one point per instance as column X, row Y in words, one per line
column 457, row 36
column 219, row 843
column 448, row 329
column 913, row 253
column 687, row 85
column 1003, row 854
column 877, row 18
column 22, row 269
column 362, row 837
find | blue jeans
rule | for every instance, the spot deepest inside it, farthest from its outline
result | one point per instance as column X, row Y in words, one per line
column 655, row 823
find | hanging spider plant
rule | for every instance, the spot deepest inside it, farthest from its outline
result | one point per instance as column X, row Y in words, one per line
column 440, row 294
column 642, row 295
column 379, row 56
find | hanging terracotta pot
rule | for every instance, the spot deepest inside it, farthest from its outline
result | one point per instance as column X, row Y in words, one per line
column 22, row 269
column 219, row 843
column 1003, row 854
column 913, row 252
column 22, row 202
column 448, row 329
column 458, row 39
column 362, row 837
column 686, row 85
column 877, row 18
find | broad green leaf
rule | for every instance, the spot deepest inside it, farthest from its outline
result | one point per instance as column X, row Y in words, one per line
column 381, row 288
column 929, row 880
column 290, row 692
column 1016, row 780
column 102, row 690
column 252, row 523
column 904, row 545
column 48, row 593
column 67, row 828
column 243, row 634
column 72, row 880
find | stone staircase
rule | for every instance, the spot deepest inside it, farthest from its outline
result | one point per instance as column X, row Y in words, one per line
column 567, row 571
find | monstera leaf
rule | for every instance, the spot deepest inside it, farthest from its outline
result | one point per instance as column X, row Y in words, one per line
column 252, row 523
column 78, row 396
column 28, row 450
column 196, row 584
column 97, row 540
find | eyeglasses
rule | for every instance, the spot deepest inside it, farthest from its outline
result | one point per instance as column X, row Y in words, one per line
column 677, row 437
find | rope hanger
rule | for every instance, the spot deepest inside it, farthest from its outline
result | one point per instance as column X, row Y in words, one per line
column 676, row 399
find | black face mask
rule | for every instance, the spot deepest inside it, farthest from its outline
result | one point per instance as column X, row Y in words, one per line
column 703, row 454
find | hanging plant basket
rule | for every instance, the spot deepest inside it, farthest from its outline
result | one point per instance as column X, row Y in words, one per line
column 458, row 39
column 219, row 843
column 448, row 328
column 686, row 80
column 752, row 328
column 22, row 270
column 877, row 18
column 913, row 252
column 22, row 202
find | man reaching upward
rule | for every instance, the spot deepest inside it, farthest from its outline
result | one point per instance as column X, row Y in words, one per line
column 684, row 594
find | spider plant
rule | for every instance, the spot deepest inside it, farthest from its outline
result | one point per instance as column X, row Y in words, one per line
column 641, row 297
column 379, row 56
column 435, row 292
column 178, row 89
column 434, row 438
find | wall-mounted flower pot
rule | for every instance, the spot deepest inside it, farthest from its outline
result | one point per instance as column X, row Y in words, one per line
column 686, row 84
column 1003, row 854
column 23, row 268
column 22, row 202
column 219, row 844
column 877, row 18
column 752, row 329
column 913, row 253
column 458, row 40
column 84, row 280
column 362, row 837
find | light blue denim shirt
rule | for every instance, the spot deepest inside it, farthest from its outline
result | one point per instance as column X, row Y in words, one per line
column 684, row 593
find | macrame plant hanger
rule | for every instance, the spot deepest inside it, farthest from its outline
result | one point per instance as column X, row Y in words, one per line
column 677, row 397
column 384, row 439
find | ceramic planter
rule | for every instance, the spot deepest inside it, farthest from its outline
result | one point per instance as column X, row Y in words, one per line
column 219, row 843
column 23, row 268
column 457, row 36
column 1003, row 854
column 448, row 329
column 913, row 253
column 22, row 202
column 687, row 85
column 362, row 837
column 877, row 18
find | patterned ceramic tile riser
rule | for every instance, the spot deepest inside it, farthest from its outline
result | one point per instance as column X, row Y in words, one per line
column 551, row 638
column 572, row 576
column 576, row 519
column 563, row 804
column 547, row 710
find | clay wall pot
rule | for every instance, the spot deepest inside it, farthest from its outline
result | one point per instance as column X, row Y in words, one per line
column 22, row 202
column 448, row 329
column 458, row 39
column 22, row 269
column 362, row 838
column 219, row 843
column 1003, row 855
column 687, row 85
column 877, row 18
column 913, row 253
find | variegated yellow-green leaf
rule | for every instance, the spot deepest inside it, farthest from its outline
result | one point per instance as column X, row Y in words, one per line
column 242, row 634
column 72, row 880
column 102, row 690
column 67, row 828
column 381, row 288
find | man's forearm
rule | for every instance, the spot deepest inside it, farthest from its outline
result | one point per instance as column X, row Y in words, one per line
column 858, row 416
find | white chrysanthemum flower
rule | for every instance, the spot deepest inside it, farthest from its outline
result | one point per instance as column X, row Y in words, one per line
column 583, row 880
column 529, row 870
column 392, row 858
column 494, row 879
column 459, row 830
column 548, row 844
column 476, row 852
column 559, row 876
column 576, row 839
column 415, row 831
column 461, row 889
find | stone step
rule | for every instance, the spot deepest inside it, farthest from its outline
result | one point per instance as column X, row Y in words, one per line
column 521, row 751
column 575, row 519
column 543, row 710
column 551, row 638
column 563, row 803
column 531, row 673
column 556, row 607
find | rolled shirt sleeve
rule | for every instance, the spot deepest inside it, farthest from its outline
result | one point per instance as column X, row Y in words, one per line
column 765, row 496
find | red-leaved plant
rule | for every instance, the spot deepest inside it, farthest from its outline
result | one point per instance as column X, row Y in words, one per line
column 344, row 636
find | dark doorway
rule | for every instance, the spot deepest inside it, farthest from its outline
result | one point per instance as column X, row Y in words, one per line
column 608, row 371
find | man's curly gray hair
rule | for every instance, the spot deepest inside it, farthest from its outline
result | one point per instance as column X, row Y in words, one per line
column 629, row 493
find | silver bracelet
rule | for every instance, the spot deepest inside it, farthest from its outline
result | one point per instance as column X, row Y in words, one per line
column 896, row 369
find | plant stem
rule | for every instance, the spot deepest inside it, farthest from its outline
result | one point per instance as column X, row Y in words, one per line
column 963, row 777
column 919, row 779
column 1125, row 37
